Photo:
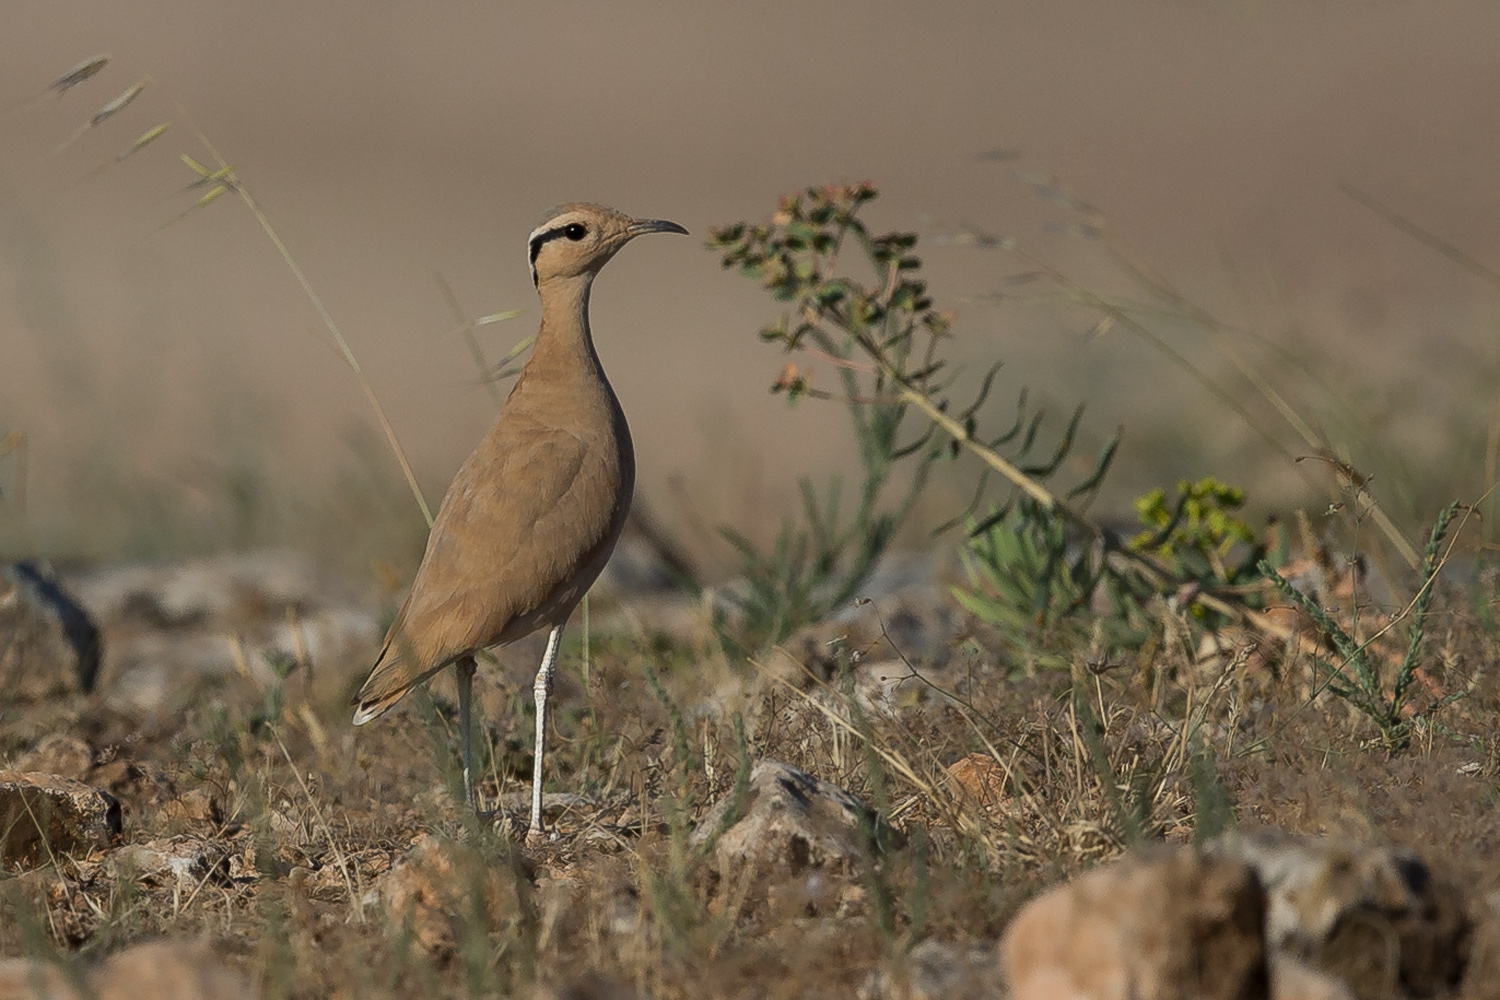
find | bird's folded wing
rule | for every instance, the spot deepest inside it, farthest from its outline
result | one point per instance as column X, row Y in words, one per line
column 520, row 517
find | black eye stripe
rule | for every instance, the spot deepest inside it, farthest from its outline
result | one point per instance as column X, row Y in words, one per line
column 540, row 238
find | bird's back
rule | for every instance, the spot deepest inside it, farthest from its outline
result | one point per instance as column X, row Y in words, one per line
column 525, row 528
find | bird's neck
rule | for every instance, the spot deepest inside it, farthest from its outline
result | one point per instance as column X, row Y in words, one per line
column 565, row 341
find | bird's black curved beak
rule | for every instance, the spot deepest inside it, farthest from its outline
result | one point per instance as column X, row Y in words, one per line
column 641, row 227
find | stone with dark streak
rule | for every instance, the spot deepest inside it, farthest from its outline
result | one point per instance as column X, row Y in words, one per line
column 45, row 815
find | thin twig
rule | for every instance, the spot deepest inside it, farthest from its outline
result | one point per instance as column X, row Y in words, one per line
column 233, row 182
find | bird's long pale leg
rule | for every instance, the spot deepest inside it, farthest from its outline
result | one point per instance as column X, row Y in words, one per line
column 466, row 667
column 543, row 687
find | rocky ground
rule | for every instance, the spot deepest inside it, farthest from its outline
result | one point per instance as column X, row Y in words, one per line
column 888, row 806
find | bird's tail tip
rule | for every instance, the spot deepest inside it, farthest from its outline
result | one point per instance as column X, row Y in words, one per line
column 381, row 689
column 366, row 709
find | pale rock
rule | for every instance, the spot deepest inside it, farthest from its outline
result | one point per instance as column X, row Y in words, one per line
column 905, row 623
column 884, row 687
column 289, row 830
column 226, row 590
column 184, row 862
column 978, row 781
column 1172, row 925
column 34, row 979
column 44, row 814
column 49, row 646
column 160, row 970
column 440, row 886
column 1291, row 980
column 935, row 970
column 790, row 822
column 1482, row 977
column 253, row 614
column 1375, row 917
column 165, row 970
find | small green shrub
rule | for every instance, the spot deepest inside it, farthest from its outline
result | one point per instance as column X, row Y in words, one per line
column 885, row 338
column 1195, row 536
column 1356, row 677
column 1028, row 576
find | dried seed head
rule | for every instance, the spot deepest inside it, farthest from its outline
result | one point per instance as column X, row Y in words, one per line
column 108, row 111
column 142, row 141
column 78, row 74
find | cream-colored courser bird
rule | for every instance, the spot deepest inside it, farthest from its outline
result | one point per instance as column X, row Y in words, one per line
column 534, row 513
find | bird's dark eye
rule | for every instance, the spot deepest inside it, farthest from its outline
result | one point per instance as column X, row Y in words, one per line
column 576, row 231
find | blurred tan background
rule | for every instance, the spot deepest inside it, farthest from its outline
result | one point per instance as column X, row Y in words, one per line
column 177, row 391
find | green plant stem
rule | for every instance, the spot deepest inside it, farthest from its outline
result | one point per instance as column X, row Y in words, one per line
column 1051, row 502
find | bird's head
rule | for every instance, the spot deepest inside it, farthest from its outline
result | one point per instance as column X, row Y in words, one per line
column 579, row 238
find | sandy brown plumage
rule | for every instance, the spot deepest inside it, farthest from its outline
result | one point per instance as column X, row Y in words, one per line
column 532, row 516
